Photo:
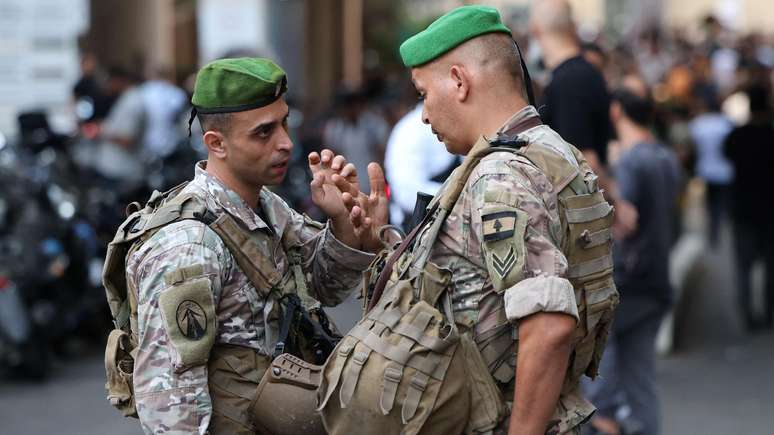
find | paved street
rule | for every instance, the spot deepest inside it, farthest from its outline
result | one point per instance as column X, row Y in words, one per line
column 715, row 390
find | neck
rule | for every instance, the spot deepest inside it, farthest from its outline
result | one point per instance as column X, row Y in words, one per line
column 558, row 48
column 489, row 121
column 630, row 134
column 248, row 193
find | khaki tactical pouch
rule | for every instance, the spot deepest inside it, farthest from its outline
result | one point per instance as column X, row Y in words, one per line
column 234, row 373
column 285, row 401
column 119, row 366
column 387, row 375
column 589, row 219
column 405, row 369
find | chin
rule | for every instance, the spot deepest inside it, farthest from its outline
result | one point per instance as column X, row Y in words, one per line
column 455, row 148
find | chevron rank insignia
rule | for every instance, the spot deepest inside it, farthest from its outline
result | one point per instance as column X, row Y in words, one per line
column 499, row 225
column 503, row 265
column 503, row 228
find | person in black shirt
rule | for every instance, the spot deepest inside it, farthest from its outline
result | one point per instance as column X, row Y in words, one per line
column 750, row 148
column 576, row 103
column 648, row 176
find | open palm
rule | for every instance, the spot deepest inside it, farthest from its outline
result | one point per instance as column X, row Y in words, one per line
column 325, row 194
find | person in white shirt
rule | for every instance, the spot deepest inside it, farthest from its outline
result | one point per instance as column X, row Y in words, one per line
column 416, row 161
column 708, row 131
column 163, row 102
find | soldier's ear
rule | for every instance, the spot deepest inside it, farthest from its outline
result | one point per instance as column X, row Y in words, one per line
column 461, row 82
column 215, row 142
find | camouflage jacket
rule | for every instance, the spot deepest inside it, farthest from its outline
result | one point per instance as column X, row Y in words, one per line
column 507, row 184
column 171, row 393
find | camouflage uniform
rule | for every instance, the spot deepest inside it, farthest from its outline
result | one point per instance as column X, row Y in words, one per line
column 173, row 396
column 538, row 266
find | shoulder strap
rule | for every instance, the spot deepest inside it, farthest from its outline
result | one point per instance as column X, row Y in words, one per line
column 450, row 195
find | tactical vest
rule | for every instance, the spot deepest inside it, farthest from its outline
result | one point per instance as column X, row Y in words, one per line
column 238, row 370
column 407, row 368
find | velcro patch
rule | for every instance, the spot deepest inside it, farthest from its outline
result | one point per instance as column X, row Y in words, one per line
column 188, row 310
column 498, row 225
column 504, row 251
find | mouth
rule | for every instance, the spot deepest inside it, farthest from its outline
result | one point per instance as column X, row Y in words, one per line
column 280, row 166
column 438, row 135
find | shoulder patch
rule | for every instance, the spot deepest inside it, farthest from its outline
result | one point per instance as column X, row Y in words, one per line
column 503, row 230
column 498, row 225
column 188, row 310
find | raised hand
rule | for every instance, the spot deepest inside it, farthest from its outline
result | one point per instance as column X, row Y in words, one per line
column 325, row 194
column 328, row 197
column 367, row 213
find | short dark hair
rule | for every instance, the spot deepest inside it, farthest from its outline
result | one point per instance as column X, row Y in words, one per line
column 638, row 109
column 592, row 47
column 214, row 121
column 499, row 50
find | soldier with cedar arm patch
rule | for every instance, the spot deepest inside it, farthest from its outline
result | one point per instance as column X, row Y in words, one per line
column 204, row 282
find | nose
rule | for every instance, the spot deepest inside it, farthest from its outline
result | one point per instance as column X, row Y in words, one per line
column 284, row 143
column 425, row 118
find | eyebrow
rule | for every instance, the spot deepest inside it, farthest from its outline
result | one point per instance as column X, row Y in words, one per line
column 268, row 125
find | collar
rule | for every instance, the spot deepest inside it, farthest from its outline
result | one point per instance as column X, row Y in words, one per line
column 526, row 112
column 228, row 200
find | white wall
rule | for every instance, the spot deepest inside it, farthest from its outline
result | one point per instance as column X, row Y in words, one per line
column 225, row 25
column 39, row 58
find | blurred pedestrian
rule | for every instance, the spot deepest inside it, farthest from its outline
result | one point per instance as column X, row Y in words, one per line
column 653, row 59
column 416, row 161
column 648, row 176
column 355, row 131
column 91, row 101
column 750, row 148
column 116, row 157
column 708, row 130
column 576, row 102
column 163, row 103
column 596, row 56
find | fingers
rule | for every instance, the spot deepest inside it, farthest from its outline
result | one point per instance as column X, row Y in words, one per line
column 314, row 162
column 338, row 162
column 349, row 172
column 376, row 179
column 316, row 187
column 356, row 217
column 326, row 158
column 344, row 185
column 349, row 201
column 317, row 181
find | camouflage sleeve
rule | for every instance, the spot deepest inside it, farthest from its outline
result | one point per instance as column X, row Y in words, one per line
column 514, row 215
column 178, row 274
column 335, row 268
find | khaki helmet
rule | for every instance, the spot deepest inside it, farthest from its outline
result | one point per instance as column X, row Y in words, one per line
column 287, row 398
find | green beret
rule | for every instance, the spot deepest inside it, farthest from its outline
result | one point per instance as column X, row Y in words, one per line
column 449, row 31
column 236, row 85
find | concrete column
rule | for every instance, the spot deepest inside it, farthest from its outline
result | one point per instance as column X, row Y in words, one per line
column 352, row 42
column 324, row 53
column 159, row 45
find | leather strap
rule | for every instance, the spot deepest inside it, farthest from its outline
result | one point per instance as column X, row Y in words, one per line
column 387, row 271
column 454, row 192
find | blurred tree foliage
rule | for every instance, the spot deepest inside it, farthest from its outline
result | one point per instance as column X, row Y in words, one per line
column 387, row 23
